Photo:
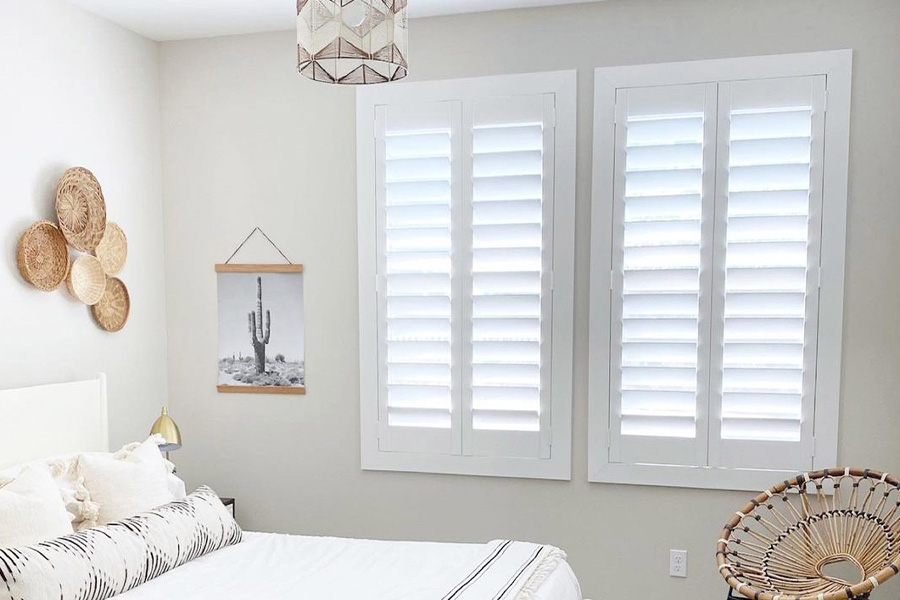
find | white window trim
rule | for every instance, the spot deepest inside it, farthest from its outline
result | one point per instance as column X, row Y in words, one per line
column 558, row 466
column 836, row 66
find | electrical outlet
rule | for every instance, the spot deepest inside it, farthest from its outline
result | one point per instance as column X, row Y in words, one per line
column 678, row 563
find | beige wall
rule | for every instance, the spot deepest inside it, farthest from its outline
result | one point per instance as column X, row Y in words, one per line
column 248, row 142
column 77, row 90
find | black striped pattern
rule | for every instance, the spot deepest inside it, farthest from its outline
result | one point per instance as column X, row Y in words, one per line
column 99, row 563
column 503, row 593
column 478, row 571
column 518, row 564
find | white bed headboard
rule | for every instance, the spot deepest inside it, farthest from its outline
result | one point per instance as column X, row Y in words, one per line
column 52, row 420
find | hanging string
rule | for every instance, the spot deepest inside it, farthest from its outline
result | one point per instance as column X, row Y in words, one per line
column 247, row 239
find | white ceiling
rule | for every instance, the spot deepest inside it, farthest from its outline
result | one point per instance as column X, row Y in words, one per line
column 165, row 20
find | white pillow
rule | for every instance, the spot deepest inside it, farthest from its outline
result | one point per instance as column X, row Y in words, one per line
column 176, row 485
column 125, row 487
column 32, row 510
column 71, row 487
column 64, row 470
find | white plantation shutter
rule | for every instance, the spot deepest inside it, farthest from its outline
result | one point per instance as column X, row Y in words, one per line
column 660, row 281
column 769, row 209
column 506, row 406
column 417, row 162
column 718, row 233
column 463, row 222
column 717, row 277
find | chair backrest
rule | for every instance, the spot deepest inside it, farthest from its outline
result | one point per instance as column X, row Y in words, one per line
column 827, row 535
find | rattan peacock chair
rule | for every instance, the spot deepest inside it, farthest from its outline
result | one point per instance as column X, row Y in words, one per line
column 788, row 543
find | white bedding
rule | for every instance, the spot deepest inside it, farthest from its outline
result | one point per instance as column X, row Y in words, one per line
column 281, row 567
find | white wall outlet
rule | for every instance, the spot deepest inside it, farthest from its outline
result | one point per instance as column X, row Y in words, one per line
column 678, row 563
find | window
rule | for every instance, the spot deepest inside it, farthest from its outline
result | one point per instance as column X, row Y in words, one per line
column 717, row 275
column 466, row 227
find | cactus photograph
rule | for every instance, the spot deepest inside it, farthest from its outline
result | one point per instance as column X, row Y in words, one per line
column 261, row 329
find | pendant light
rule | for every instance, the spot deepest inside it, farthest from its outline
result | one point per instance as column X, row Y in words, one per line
column 352, row 41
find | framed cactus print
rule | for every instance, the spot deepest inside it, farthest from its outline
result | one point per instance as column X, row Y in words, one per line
column 261, row 329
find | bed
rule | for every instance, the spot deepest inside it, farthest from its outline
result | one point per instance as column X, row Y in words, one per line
column 276, row 566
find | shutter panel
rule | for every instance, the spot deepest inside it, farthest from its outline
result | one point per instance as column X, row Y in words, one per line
column 766, row 284
column 418, row 163
column 661, row 277
column 507, row 299
column 465, row 238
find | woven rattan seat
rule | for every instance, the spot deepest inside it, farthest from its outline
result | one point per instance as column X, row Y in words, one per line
column 784, row 544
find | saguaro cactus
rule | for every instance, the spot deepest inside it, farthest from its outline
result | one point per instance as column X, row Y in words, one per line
column 259, row 336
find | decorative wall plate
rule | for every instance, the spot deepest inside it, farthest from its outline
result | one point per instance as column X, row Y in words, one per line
column 113, row 249
column 43, row 257
column 87, row 281
column 111, row 313
column 81, row 209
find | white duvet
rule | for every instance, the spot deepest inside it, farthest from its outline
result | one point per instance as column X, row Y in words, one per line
column 280, row 567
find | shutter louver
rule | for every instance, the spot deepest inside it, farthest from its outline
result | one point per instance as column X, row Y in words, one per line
column 661, row 169
column 416, row 164
column 511, row 192
column 770, row 205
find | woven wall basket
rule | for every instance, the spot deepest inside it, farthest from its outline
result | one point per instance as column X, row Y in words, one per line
column 111, row 313
column 113, row 249
column 87, row 281
column 81, row 209
column 43, row 257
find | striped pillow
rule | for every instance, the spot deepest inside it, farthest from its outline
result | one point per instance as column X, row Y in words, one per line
column 105, row 561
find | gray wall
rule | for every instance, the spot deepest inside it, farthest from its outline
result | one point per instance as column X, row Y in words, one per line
column 248, row 142
column 76, row 90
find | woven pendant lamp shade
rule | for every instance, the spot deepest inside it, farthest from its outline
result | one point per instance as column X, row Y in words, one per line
column 352, row 41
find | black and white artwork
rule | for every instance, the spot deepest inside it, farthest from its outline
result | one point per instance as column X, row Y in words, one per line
column 261, row 329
